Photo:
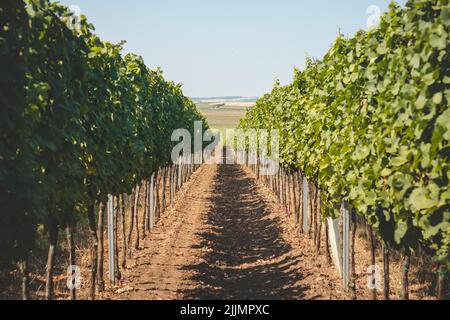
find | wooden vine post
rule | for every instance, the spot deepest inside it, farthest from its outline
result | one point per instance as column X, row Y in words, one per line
column 94, row 247
column 386, row 258
column 373, row 256
column 405, row 275
column 72, row 255
column 442, row 282
column 53, row 235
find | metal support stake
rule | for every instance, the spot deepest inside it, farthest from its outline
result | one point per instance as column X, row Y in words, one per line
column 345, row 245
column 151, row 206
column 111, row 239
column 335, row 242
column 305, row 204
column 172, row 184
column 179, row 173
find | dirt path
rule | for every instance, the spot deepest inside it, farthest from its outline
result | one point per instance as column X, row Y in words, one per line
column 227, row 238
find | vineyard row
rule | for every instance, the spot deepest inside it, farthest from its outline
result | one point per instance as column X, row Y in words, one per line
column 369, row 125
column 79, row 122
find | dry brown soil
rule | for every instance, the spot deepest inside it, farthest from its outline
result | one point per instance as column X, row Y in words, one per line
column 226, row 238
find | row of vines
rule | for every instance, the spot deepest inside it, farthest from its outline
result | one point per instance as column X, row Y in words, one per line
column 369, row 124
column 78, row 122
column 135, row 216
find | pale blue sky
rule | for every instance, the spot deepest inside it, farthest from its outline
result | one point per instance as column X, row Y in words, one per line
column 227, row 47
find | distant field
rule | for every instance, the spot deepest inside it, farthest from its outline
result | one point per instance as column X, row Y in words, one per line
column 225, row 115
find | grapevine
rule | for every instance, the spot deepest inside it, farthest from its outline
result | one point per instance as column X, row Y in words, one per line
column 369, row 124
column 79, row 122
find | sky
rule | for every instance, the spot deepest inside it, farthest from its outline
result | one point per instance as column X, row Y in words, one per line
column 227, row 47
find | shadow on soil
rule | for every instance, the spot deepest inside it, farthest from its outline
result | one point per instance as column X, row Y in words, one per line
column 244, row 242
